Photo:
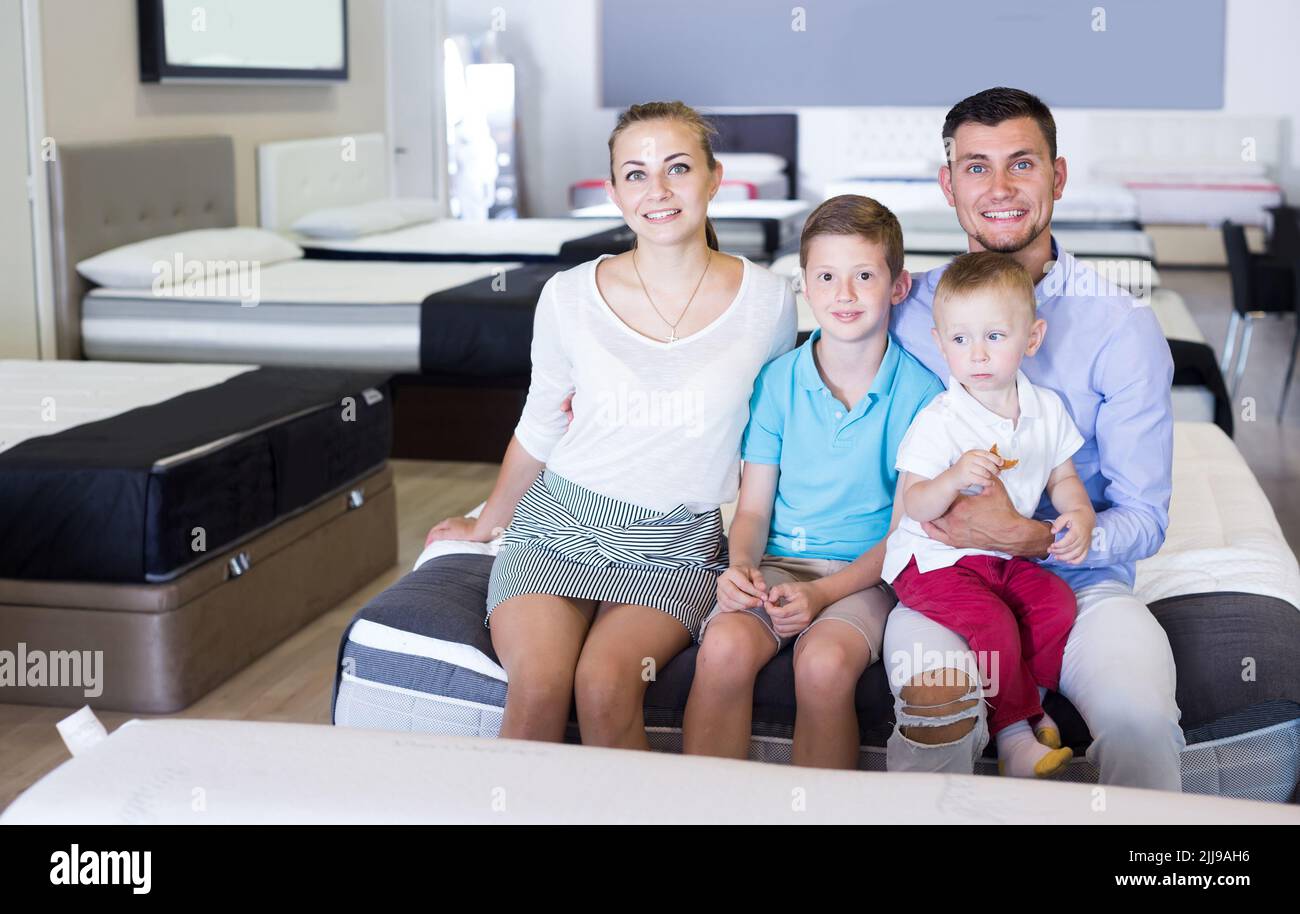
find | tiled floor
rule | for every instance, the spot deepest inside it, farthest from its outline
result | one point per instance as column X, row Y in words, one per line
column 1271, row 448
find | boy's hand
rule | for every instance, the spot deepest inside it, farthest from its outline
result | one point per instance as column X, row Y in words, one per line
column 792, row 607
column 1074, row 546
column 741, row 587
column 975, row 468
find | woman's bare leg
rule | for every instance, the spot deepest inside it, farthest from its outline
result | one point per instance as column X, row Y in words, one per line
column 625, row 649
column 538, row 639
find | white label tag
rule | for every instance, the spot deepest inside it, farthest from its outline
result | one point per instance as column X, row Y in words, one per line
column 372, row 396
column 81, row 730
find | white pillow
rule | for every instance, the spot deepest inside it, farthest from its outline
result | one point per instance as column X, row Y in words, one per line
column 366, row 218
column 136, row 266
column 750, row 164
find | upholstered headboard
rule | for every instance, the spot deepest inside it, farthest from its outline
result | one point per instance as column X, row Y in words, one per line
column 777, row 134
column 299, row 176
column 104, row 195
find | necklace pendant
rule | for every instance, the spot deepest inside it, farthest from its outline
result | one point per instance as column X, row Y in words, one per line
column 672, row 336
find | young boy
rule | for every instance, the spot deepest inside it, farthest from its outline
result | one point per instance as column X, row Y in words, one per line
column 816, row 499
column 993, row 424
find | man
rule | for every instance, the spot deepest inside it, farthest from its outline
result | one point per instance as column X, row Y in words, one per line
column 1107, row 358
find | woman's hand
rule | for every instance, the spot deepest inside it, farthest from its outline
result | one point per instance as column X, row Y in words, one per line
column 793, row 606
column 456, row 528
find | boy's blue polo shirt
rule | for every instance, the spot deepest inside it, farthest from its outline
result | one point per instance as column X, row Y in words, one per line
column 835, row 492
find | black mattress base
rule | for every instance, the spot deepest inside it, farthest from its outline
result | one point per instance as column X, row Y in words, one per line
column 146, row 494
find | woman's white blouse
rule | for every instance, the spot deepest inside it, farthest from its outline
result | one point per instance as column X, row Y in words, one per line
column 656, row 424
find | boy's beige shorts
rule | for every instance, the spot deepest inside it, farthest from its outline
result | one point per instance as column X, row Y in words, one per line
column 866, row 610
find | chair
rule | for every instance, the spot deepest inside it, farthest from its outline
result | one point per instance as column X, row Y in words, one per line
column 1295, row 342
column 1284, row 242
column 1262, row 286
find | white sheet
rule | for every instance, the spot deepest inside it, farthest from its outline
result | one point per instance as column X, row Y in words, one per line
column 47, row 397
column 147, row 772
column 473, row 240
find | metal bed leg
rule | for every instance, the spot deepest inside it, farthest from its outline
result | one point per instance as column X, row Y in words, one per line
column 1241, row 359
column 1234, row 328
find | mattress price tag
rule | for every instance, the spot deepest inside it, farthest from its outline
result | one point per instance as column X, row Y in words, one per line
column 81, row 730
column 372, row 396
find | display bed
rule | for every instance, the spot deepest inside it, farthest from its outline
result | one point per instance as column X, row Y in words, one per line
column 267, row 773
column 1225, row 586
column 182, row 519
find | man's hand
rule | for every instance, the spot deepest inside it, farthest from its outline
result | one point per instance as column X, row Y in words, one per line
column 990, row 521
column 793, row 606
column 567, row 408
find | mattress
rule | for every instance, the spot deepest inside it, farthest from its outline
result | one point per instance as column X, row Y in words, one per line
column 158, row 647
column 149, row 469
column 1206, row 202
column 919, row 201
column 273, row 773
column 1225, row 586
column 757, row 229
column 1196, row 192
column 511, row 240
column 327, row 314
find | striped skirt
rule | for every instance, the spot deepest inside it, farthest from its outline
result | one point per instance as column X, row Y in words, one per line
column 568, row 541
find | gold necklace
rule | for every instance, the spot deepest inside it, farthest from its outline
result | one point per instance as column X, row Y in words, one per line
column 672, row 326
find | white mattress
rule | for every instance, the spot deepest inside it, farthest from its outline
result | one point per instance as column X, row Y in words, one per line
column 330, row 314
column 472, row 240
column 1206, row 202
column 920, row 201
column 47, row 397
column 264, row 773
column 1223, row 534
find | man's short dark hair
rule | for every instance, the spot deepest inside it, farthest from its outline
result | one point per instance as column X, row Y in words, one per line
column 993, row 106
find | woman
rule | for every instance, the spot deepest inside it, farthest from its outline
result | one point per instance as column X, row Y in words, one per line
column 611, row 558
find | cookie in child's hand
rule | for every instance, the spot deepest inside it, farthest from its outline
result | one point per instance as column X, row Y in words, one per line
column 1008, row 463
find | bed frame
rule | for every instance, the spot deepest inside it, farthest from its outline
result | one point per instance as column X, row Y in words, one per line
column 167, row 644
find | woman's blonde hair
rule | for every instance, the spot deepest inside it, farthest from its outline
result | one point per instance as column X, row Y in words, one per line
column 684, row 114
